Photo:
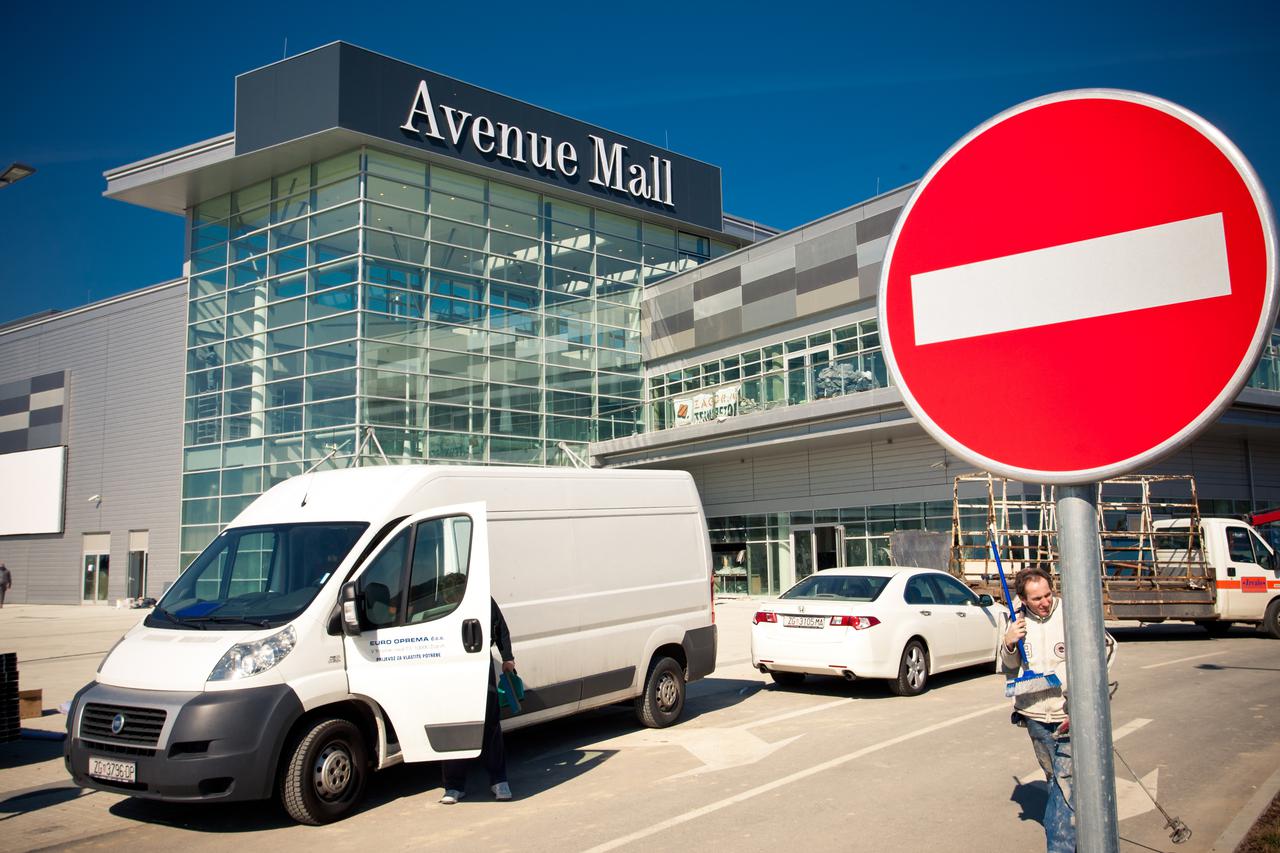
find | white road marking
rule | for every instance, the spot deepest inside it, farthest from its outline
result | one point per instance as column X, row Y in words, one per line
column 787, row 780
column 1180, row 660
column 1145, row 268
column 777, row 718
column 1131, row 800
column 1037, row 775
column 716, row 749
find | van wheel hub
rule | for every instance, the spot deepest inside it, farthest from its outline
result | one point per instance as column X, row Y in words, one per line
column 668, row 692
column 333, row 771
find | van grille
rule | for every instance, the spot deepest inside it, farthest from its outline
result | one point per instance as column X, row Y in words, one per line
column 141, row 725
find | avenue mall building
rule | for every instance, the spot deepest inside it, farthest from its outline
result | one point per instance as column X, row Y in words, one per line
column 383, row 264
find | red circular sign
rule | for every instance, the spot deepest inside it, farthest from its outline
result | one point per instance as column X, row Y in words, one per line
column 1079, row 286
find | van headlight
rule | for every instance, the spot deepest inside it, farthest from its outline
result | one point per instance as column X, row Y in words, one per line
column 245, row 659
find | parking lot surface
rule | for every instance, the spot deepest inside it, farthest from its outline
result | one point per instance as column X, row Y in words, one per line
column 751, row 766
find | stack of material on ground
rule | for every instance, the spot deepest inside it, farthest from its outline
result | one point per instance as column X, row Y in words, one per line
column 10, row 726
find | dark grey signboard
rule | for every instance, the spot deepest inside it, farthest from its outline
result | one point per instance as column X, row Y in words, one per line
column 343, row 86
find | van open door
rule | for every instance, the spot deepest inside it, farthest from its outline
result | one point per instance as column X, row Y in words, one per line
column 422, row 648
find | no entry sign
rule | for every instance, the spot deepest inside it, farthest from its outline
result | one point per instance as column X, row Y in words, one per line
column 1079, row 286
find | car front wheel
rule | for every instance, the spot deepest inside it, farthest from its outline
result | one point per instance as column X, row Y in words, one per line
column 326, row 772
column 913, row 671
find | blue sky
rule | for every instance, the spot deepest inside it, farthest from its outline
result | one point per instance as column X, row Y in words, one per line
column 807, row 108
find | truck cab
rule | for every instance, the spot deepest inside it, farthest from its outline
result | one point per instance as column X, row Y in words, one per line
column 1245, row 572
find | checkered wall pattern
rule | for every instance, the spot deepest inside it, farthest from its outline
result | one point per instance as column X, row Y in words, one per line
column 32, row 412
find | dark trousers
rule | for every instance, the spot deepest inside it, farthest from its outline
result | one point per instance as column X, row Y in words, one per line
column 492, row 752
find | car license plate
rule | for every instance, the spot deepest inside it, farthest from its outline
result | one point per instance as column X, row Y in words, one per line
column 804, row 621
column 112, row 770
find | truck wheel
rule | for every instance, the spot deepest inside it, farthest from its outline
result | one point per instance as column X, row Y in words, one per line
column 326, row 772
column 663, row 698
column 787, row 679
column 913, row 671
column 1215, row 627
column 1271, row 621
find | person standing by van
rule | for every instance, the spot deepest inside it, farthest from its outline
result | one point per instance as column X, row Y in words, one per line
column 6, row 581
column 493, row 750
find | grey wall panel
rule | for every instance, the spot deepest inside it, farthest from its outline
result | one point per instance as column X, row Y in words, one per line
column 1265, row 456
column 727, row 482
column 841, row 469
column 907, row 462
column 124, row 363
column 1220, row 468
column 782, row 476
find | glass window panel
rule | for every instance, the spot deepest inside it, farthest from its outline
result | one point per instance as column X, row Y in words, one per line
column 335, row 194
column 382, row 584
column 291, row 183
column 467, row 236
column 519, row 272
column 209, row 235
column 569, row 236
column 398, row 275
column 520, row 322
column 660, row 236
column 457, row 207
column 397, row 168
column 562, row 403
column 438, row 576
column 567, row 379
column 460, row 447
column 396, row 220
column 337, row 219
column 513, row 198
column 331, row 414
column 515, row 296
column 286, row 313
column 202, row 334
column 401, row 412
column 347, row 163
column 563, row 281
column 569, row 213
column 694, row 244
column 289, row 234
column 618, row 226
column 570, row 429
column 457, row 183
column 570, row 259
column 330, row 385
column 514, row 346
column 457, row 259
column 456, row 364
column 457, row 338
column 457, row 418
column 516, row 423
column 515, row 451
column 525, row 224
column 331, row 302
column 321, row 332
column 209, row 259
column 213, row 209
column 398, row 193
column 520, row 248
column 200, row 511
column 334, row 275
column 456, row 391
column 335, row 246
column 459, row 286
column 518, row 372
column 395, row 246
column 455, row 311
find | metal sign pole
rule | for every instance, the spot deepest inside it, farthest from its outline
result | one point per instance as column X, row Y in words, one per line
column 1079, row 565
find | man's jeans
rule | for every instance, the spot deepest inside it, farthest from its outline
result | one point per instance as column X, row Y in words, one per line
column 1055, row 759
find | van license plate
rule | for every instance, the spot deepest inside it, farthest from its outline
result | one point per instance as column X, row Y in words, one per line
column 804, row 621
column 113, row 771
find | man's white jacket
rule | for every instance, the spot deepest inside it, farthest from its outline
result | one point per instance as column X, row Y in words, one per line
column 1046, row 645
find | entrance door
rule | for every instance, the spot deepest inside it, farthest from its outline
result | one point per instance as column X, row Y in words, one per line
column 136, row 582
column 817, row 548
column 423, row 653
column 97, row 567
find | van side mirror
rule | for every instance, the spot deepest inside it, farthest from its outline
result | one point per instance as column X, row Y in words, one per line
column 985, row 600
column 349, row 600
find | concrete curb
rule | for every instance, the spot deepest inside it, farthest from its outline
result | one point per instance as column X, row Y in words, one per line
column 1240, row 825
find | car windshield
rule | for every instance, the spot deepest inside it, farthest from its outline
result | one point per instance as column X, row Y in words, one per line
column 256, row 577
column 839, row 587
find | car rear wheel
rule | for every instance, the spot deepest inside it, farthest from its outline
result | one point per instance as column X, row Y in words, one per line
column 913, row 671
column 787, row 679
column 326, row 772
column 663, row 698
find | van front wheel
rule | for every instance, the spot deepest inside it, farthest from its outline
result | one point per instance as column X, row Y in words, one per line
column 326, row 772
column 1271, row 621
column 663, row 698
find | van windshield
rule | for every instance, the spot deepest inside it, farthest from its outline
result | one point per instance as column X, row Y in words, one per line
column 256, row 577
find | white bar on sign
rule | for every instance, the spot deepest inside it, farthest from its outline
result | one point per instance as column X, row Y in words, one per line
column 1146, row 268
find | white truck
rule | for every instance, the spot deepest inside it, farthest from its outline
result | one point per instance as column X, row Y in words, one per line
column 341, row 624
column 1160, row 559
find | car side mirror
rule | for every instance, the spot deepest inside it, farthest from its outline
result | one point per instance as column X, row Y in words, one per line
column 985, row 600
column 349, row 600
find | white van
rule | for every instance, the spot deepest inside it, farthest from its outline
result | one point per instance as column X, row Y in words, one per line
column 342, row 622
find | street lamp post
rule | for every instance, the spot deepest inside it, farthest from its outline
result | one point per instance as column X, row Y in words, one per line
column 15, row 173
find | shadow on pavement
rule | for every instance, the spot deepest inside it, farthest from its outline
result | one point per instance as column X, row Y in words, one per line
column 1031, row 797
column 20, row 753
column 1175, row 632
column 39, row 798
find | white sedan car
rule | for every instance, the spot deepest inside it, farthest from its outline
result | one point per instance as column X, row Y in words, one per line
column 894, row 622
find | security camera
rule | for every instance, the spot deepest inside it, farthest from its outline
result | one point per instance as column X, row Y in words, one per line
column 95, row 498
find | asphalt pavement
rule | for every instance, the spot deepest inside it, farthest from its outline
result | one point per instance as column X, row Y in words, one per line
column 751, row 766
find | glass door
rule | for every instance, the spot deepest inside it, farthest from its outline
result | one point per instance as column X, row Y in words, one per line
column 817, row 548
column 97, row 572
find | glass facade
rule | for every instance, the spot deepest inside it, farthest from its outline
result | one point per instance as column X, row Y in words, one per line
column 843, row 360
column 465, row 320
column 1267, row 374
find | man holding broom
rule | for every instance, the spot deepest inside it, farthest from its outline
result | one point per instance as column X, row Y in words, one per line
column 1043, row 710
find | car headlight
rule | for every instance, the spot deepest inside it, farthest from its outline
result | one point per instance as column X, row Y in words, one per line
column 245, row 659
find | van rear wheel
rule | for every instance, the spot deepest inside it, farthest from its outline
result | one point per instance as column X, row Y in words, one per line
column 1271, row 621
column 326, row 773
column 663, row 698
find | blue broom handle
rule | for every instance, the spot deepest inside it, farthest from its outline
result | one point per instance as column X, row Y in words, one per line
column 1008, row 599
